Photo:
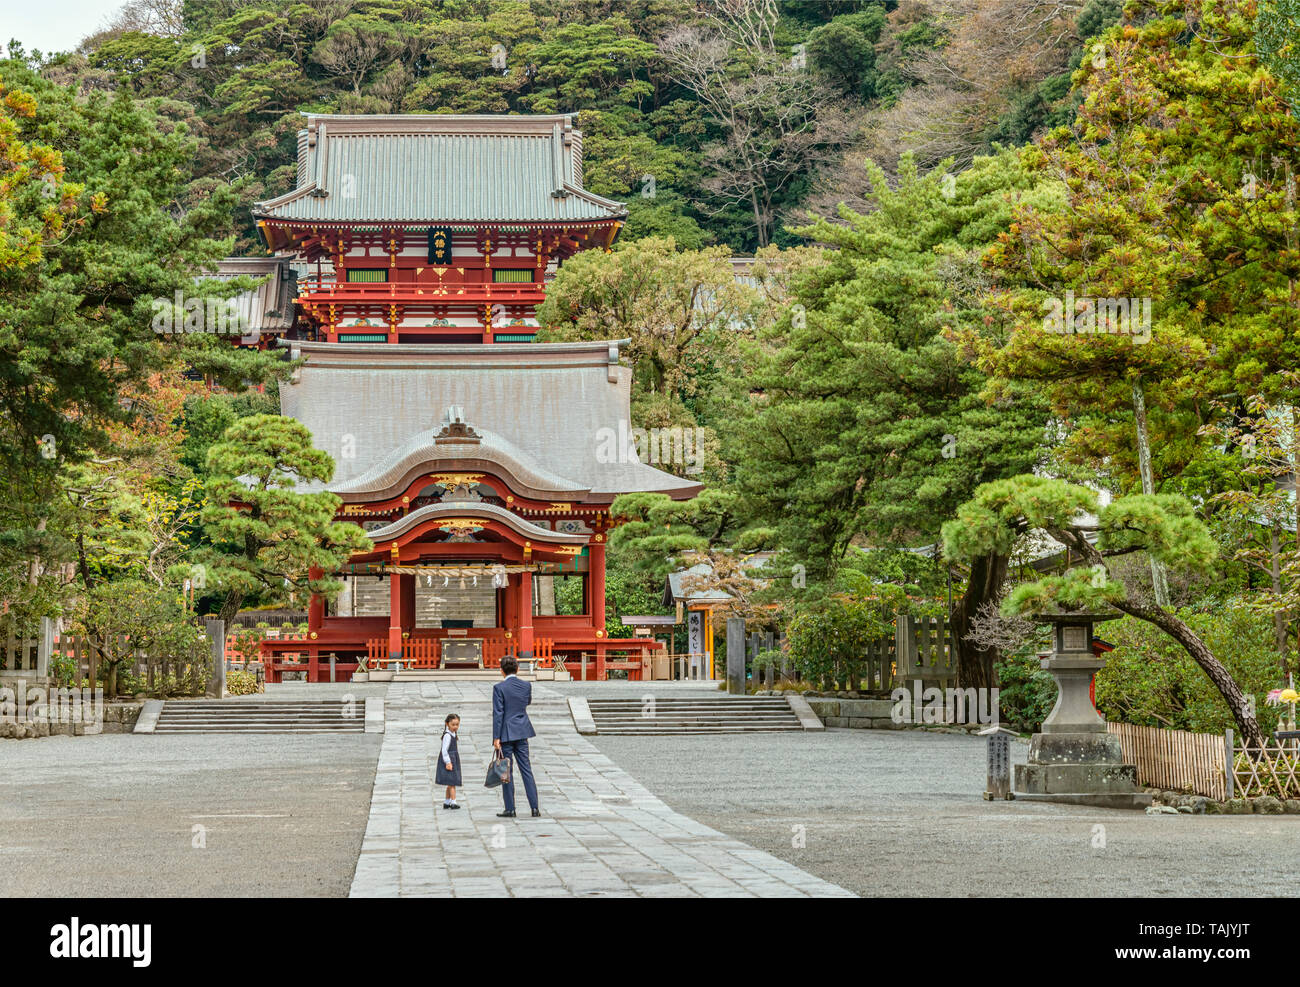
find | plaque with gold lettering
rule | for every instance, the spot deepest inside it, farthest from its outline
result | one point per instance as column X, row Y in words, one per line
column 439, row 245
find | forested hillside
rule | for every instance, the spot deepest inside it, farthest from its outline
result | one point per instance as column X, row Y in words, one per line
column 1026, row 287
column 717, row 122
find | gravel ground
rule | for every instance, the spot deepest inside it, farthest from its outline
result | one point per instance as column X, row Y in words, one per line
column 881, row 812
column 114, row 815
column 900, row 813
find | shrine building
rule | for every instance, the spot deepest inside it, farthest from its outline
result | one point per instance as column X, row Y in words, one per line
column 482, row 465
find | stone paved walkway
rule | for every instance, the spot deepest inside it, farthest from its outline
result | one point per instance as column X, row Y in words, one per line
column 601, row 832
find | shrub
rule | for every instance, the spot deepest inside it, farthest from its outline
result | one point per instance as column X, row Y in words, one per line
column 829, row 637
column 239, row 683
column 1026, row 693
column 63, row 671
column 1149, row 680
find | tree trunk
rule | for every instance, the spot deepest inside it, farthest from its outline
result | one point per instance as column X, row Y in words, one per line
column 1158, row 584
column 230, row 606
column 1279, row 618
column 759, row 224
column 1242, row 713
column 974, row 661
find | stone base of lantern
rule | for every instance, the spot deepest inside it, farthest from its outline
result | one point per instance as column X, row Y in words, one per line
column 1092, row 747
column 1080, row 769
column 1094, row 800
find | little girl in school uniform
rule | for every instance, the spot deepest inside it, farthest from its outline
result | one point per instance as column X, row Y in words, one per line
column 449, row 761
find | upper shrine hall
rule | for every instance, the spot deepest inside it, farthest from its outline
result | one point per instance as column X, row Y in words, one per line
column 433, row 228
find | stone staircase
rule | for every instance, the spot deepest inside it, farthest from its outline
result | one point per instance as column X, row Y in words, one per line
column 449, row 675
column 692, row 715
column 225, row 716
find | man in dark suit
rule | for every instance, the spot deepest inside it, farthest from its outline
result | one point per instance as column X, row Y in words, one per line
column 511, row 729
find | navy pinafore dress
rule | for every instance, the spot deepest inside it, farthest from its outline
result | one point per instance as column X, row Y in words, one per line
column 445, row 777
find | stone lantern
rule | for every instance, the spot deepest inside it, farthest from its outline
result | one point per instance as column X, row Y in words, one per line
column 1074, row 758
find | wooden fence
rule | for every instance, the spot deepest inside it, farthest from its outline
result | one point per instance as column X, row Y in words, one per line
column 923, row 648
column 34, row 653
column 762, row 674
column 1271, row 770
column 1176, row 759
column 919, row 648
column 26, row 652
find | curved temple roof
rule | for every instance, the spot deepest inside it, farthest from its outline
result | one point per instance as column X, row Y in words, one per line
column 439, row 168
column 557, row 414
column 425, row 453
column 486, row 512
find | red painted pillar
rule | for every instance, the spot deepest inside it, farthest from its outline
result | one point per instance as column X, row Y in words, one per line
column 596, row 584
column 408, row 603
column 316, row 607
column 525, row 644
column 394, row 615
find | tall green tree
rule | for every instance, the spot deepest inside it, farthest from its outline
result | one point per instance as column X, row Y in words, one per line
column 1176, row 216
column 265, row 535
column 123, row 223
column 866, row 424
column 1164, row 526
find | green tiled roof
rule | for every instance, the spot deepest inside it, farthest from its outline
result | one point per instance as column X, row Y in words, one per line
column 439, row 169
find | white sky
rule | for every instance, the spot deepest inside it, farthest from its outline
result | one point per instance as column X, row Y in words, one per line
column 52, row 25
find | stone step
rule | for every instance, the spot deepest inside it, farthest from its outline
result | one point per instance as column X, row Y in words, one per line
column 690, row 710
column 262, row 718
column 686, row 720
column 489, row 675
column 693, row 730
column 250, row 710
column 252, row 729
column 269, row 721
column 739, row 708
column 272, row 716
column 173, row 707
column 699, row 715
column 720, row 703
column 278, row 724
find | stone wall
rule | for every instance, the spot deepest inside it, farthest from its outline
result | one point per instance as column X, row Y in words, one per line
column 118, row 718
column 860, row 714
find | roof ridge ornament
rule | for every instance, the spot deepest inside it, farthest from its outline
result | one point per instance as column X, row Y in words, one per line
column 455, row 428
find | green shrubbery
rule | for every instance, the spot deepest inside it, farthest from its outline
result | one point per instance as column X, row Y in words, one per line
column 1151, row 681
column 1026, row 693
column 241, row 683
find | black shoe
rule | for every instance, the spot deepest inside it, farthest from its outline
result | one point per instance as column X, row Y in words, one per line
column 508, row 814
column 536, row 813
column 452, row 806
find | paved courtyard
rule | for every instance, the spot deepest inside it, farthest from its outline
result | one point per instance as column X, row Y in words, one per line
column 884, row 812
column 601, row 832
column 869, row 812
column 115, row 816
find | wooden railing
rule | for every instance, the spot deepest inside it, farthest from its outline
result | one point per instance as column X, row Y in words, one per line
column 426, row 652
column 421, row 292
